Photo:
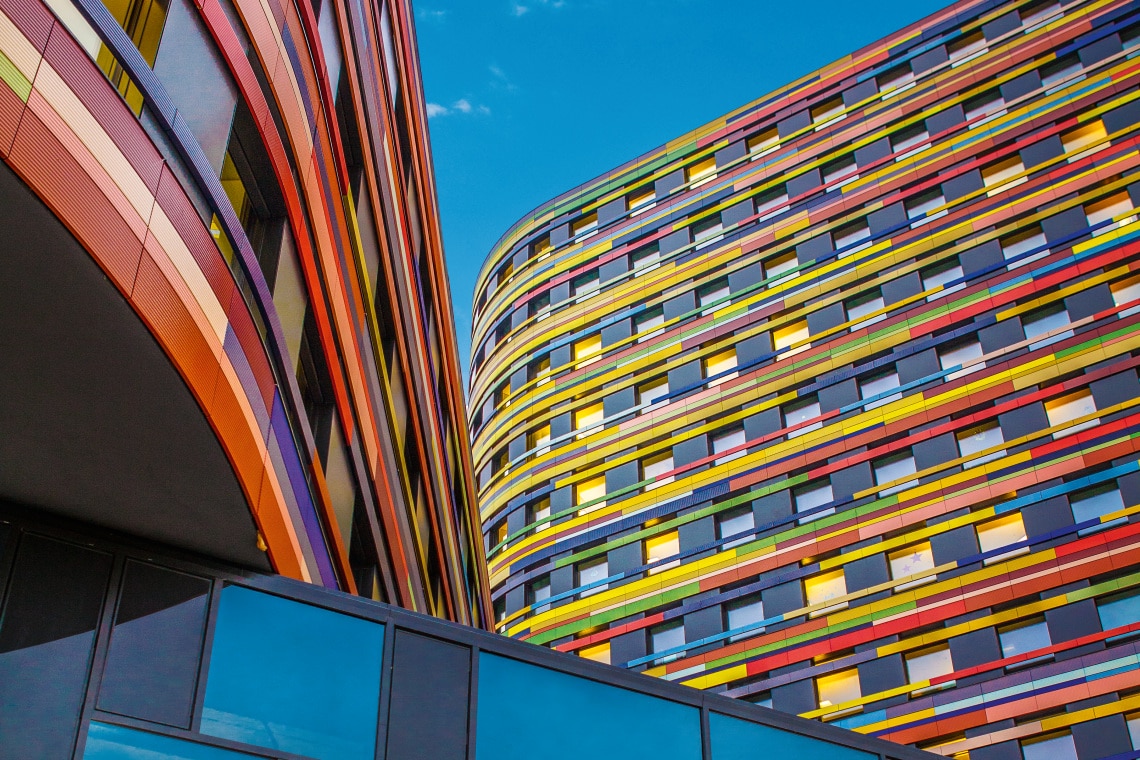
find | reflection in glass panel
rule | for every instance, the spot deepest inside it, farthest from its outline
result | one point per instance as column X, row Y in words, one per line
column 107, row 742
column 152, row 661
column 290, row 676
column 515, row 699
column 54, row 602
column 1020, row 638
column 736, row 739
column 1118, row 611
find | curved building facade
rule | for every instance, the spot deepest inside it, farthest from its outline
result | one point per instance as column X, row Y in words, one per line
column 831, row 404
column 226, row 321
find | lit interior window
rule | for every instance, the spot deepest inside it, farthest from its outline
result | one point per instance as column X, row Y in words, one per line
column 1084, row 136
column 766, row 140
column 788, row 335
column 641, row 196
column 823, row 588
column 724, row 361
column 597, row 652
column 540, row 510
column 966, row 47
column 660, row 547
column 589, row 490
column 910, row 561
column 654, row 468
column 588, row 347
column 584, row 224
column 539, row 437
column 780, row 265
column 703, row 169
column 837, row 688
column 1068, row 408
column 998, row 177
column 588, row 416
column 929, row 664
column 1125, row 291
column 1104, row 211
column 1000, row 533
column 826, row 113
column 978, row 439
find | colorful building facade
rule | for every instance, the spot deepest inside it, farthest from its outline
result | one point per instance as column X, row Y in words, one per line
column 227, row 322
column 831, row 404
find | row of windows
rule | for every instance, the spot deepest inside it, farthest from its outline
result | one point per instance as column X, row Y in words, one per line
column 904, row 143
column 863, row 310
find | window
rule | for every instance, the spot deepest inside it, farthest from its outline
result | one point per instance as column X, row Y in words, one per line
column 1125, row 291
column 911, row 561
column 788, row 335
column 800, row 411
column 654, row 468
column 779, row 265
column 712, row 294
column 1060, row 70
column 1000, row 533
column 988, row 103
column 646, row 323
column 661, row 547
column 963, row 355
column 852, row 238
column 838, row 169
column 665, row 637
column 1050, row 322
column 592, row 571
column 1056, row 747
column 893, row 469
column 981, row 438
column 877, row 385
column 896, row 80
column 1037, row 12
column 589, row 491
column 928, row 664
column 585, row 283
column 921, row 208
column 1105, row 210
column 827, row 113
column 645, row 256
column 719, row 364
column 499, row 532
column 811, row 496
column 585, row 348
column 653, row 391
column 940, row 275
column 1094, row 503
column 837, row 688
column 499, row 608
column 539, row 438
column 905, row 139
column 770, row 203
column 726, row 441
column 735, row 522
column 1026, row 636
column 539, row 510
column 584, row 224
column 597, row 652
column 1119, row 610
column 1000, row 176
column 588, row 416
column 743, row 613
column 701, row 170
column 767, row 140
column 860, row 309
column 825, row 587
column 538, row 591
column 1021, row 244
column 1085, row 136
column 640, row 197
column 1068, row 408
column 966, row 48
column 707, row 231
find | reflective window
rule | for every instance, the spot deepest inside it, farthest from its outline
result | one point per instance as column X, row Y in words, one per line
column 811, row 496
column 665, row 637
column 1058, row 747
column 44, row 658
column 661, row 547
column 427, row 714
column 593, row 571
column 1068, row 408
column 1023, row 637
column 729, row 439
column 1125, row 291
column 837, row 688
column 294, row 677
column 736, row 739
column 627, row 724
column 929, row 664
column 654, row 468
column 964, row 355
column 860, row 308
column 980, row 438
column 910, row 561
column 736, row 522
column 1096, row 502
column 1050, row 322
column 742, row 613
column 1118, row 611
column 801, row 411
column 824, row 588
column 107, row 742
column 156, row 642
column 878, row 385
column 893, row 469
column 1022, row 243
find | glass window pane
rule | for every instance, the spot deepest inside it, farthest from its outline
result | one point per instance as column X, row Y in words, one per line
column 923, row 666
column 837, row 688
column 54, row 604
column 661, row 547
column 1054, row 748
column 1023, row 637
column 627, row 724
column 152, row 660
column 107, row 742
column 1119, row 611
column 1102, row 501
column 1001, row 532
column 911, row 560
column 276, row 682
column 980, row 438
column 1068, row 408
column 823, row 588
column 736, row 739
column 427, row 716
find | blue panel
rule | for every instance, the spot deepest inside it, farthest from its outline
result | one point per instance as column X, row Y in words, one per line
column 517, row 702
column 290, row 676
column 735, row 739
column 106, row 742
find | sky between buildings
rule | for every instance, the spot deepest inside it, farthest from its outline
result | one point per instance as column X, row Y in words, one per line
column 529, row 98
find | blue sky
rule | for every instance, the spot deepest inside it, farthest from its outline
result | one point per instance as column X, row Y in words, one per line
column 528, row 98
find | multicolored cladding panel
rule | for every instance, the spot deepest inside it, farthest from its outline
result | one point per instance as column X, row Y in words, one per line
column 832, row 404
column 254, row 178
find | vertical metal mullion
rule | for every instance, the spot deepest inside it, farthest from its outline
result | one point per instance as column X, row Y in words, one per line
column 111, row 595
column 387, row 666
column 473, row 701
column 207, row 647
column 706, row 733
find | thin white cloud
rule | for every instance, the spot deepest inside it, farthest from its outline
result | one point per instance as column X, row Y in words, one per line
column 519, row 10
column 432, row 15
column 485, row 110
column 462, row 106
column 435, row 109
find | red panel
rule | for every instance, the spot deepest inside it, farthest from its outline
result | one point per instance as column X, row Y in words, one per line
column 104, row 103
column 159, row 306
column 184, row 218
column 56, row 177
column 33, row 19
